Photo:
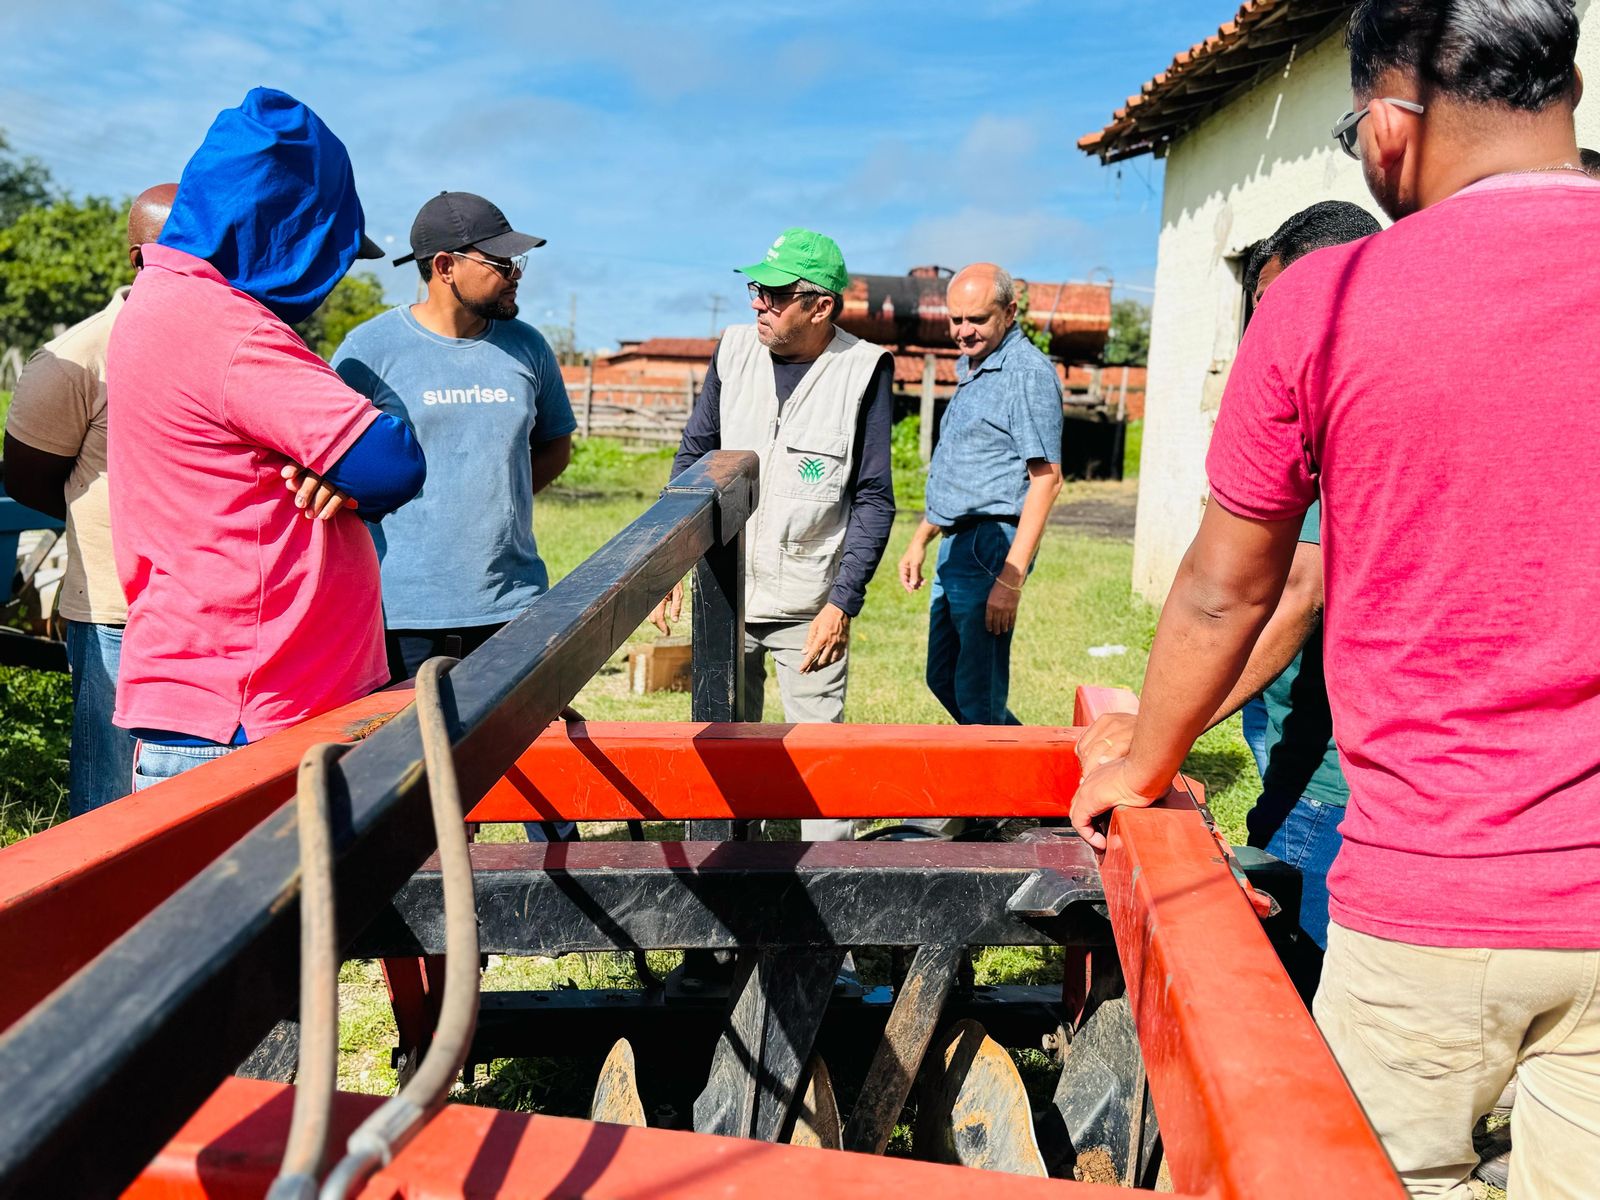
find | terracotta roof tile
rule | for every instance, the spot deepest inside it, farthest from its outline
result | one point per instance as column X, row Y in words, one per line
column 1164, row 109
column 697, row 349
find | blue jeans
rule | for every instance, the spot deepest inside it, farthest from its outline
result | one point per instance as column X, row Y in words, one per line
column 969, row 668
column 1303, row 833
column 154, row 762
column 102, row 755
column 1254, row 716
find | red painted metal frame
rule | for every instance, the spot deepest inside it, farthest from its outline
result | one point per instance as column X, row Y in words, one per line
column 1249, row 1098
column 1250, row 1101
column 656, row 770
column 70, row 891
column 230, row 1150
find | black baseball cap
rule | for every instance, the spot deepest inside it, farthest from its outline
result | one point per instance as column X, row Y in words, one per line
column 369, row 248
column 455, row 220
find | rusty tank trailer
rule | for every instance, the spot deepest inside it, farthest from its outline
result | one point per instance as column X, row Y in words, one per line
column 903, row 311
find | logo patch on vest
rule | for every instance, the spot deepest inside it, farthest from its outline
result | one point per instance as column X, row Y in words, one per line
column 811, row 470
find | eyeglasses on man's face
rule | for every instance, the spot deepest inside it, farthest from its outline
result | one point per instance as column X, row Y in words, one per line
column 775, row 301
column 508, row 269
column 1344, row 129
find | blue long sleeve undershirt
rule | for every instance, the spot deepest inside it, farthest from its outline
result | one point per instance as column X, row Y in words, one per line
column 384, row 469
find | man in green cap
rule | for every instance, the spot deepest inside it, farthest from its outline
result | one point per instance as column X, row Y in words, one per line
column 815, row 403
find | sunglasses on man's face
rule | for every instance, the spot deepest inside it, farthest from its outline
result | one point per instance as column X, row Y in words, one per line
column 1344, row 129
column 775, row 301
column 512, row 269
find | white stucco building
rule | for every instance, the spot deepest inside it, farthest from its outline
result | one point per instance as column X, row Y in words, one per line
column 1243, row 121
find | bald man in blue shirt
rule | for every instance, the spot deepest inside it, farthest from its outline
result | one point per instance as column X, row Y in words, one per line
column 995, row 475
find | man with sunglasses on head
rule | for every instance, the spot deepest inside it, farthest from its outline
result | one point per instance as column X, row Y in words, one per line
column 815, row 403
column 1462, row 667
column 484, row 394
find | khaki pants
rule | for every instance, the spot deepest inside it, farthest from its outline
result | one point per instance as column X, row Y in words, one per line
column 1429, row 1037
column 816, row 696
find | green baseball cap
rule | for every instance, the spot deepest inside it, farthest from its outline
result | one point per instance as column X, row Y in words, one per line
column 801, row 254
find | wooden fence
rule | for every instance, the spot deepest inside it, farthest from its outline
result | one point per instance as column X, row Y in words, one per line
column 654, row 414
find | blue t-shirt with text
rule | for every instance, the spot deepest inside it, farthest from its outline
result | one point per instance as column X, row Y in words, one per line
column 463, row 552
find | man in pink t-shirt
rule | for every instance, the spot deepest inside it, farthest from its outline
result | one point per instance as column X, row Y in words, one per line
column 1458, row 532
column 244, row 616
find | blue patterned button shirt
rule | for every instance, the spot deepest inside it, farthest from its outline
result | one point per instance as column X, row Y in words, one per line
column 1006, row 411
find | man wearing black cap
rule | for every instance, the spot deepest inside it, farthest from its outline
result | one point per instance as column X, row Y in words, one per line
column 483, row 392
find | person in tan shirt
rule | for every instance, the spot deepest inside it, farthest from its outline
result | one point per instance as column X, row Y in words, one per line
column 55, row 458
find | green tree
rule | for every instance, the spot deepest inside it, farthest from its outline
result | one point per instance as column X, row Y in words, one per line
column 59, row 263
column 1130, row 334
column 355, row 299
column 24, row 183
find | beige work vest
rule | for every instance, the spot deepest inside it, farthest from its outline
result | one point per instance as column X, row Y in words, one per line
column 795, row 536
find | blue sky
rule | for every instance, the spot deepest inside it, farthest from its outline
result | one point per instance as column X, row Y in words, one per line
column 655, row 146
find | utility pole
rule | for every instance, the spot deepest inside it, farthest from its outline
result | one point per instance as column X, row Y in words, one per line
column 925, row 433
column 716, row 309
column 572, row 321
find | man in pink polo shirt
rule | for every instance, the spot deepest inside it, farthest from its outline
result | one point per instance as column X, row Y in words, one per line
column 245, row 616
column 1458, row 532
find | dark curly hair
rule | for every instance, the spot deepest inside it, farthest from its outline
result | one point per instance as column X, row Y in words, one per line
column 1517, row 53
column 1329, row 223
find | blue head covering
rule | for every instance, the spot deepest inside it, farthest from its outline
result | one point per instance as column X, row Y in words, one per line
column 269, row 200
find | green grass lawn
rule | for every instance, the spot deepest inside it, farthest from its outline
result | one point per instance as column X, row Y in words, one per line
column 1132, row 450
column 35, row 723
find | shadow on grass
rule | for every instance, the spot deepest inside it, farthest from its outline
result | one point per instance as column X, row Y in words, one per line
column 1218, row 768
column 1223, row 763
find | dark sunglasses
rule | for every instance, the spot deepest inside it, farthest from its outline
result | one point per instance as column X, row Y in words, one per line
column 1344, row 129
column 776, row 301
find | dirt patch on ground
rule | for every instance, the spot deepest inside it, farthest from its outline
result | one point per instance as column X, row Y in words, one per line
column 1098, row 510
column 1095, row 1166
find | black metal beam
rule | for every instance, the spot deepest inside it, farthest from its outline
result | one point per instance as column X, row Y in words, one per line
column 716, row 622
column 122, row 1037
column 538, row 899
column 682, row 1032
column 918, row 1005
column 775, row 1008
column 717, row 631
